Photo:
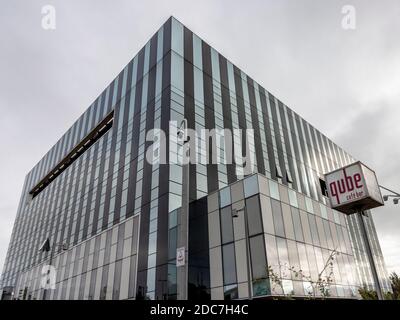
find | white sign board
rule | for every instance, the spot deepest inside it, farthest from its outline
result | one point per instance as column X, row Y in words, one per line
column 180, row 257
column 353, row 188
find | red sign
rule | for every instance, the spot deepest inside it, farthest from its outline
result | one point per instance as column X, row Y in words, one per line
column 353, row 188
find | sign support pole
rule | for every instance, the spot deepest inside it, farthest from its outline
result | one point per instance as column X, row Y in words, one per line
column 249, row 271
column 183, row 221
column 183, row 237
column 369, row 254
column 353, row 189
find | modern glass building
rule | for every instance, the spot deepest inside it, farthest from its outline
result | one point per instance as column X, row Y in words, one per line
column 109, row 221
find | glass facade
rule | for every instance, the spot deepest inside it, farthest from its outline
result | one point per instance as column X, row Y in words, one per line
column 289, row 244
column 112, row 218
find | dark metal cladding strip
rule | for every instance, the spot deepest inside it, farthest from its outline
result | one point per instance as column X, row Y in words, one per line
column 73, row 239
column 303, row 151
column 135, row 136
column 278, row 137
column 313, row 163
column 189, row 101
column 268, row 134
column 147, row 170
column 86, row 214
column 256, row 126
column 319, row 163
column 75, row 198
column 288, row 150
column 163, row 201
column 102, row 168
column 301, row 184
column 124, row 132
column 68, row 196
column 226, row 110
column 212, row 169
column 110, row 175
column 81, row 169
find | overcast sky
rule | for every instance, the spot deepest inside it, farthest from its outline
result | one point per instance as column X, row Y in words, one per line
column 345, row 82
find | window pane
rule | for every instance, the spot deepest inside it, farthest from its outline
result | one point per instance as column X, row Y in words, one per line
column 172, row 281
column 306, row 227
column 324, row 213
column 287, row 286
column 175, row 202
column 273, row 189
column 225, row 197
column 312, row 262
column 287, row 220
column 283, row 258
column 230, row 292
column 177, row 67
column 314, row 230
column 177, row 37
column 320, row 260
column 152, row 242
column 117, row 280
column 328, row 234
column 172, row 243
column 303, row 259
column 294, row 258
column 250, row 186
column 298, row 231
column 151, row 260
column 226, row 225
column 151, row 275
column 278, row 220
column 254, row 215
column 321, row 232
column 175, row 173
column 272, row 253
column 293, row 198
column 258, row 260
column 229, row 265
column 309, row 205
column 173, row 219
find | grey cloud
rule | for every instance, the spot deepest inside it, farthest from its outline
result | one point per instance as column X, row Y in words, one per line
column 338, row 80
column 372, row 137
